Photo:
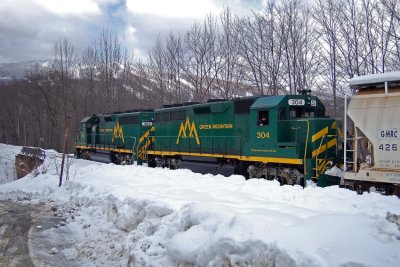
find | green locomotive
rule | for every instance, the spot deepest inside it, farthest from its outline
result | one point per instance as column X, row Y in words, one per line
column 118, row 138
column 285, row 137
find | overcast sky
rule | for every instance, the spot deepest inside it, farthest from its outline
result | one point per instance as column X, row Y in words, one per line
column 29, row 28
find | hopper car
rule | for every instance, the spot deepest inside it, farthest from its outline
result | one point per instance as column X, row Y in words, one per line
column 372, row 150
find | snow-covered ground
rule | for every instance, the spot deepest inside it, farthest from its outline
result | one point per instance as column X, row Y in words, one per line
column 139, row 216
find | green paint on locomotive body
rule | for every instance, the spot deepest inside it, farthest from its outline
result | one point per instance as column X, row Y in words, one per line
column 133, row 126
column 288, row 130
column 118, row 133
column 93, row 131
column 210, row 128
column 294, row 131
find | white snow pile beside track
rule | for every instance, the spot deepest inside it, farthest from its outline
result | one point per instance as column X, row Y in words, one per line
column 139, row 216
column 7, row 163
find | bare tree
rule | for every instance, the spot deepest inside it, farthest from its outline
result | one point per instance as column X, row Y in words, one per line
column 157, row 71
column 141, row 85
column 202, row 58
column 252, row 48
column 351, row 28
column 231, row 72
column 174, row 60
column 326, row 14
column 275, row 31
column 110, row 59
column 88, row 72
column 299, row 42
column 386, row 25
column 389, row 31
column 62, row 70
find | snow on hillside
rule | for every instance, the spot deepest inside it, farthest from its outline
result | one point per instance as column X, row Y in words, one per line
column 139, row 216
column 18, row 70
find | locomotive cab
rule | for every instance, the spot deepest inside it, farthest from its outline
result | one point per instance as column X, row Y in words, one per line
column 292, row 138
column 86, row 136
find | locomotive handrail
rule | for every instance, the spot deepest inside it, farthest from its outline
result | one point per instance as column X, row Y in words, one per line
column 316, row 157
column 319, row 149
column 306, row 145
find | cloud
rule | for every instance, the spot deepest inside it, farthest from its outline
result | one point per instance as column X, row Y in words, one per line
column 29, row 29
column 173, row 8
column 70, row 7
column 141, row 31
column 151, row 18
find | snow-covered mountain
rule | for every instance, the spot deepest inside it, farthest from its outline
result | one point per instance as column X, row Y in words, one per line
column 9, row 71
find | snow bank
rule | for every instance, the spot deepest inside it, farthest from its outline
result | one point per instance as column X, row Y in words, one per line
column 335, row 171
column 7, row 161
column 139, row 216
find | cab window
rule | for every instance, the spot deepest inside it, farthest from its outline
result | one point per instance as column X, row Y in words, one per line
column 263, row 118
column 300, row 112
column 282, row 114
column 295, row 113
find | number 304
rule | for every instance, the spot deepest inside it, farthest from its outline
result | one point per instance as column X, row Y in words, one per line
column 262, row 134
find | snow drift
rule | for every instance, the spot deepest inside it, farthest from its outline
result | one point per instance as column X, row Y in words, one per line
column 139, row 216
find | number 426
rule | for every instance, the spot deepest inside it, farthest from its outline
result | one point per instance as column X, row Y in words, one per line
column 388, row 147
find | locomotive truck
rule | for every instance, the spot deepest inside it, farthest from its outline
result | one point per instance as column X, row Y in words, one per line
column 283, row 137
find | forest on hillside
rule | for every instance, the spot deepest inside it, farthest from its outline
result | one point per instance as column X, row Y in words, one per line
column 290, row 46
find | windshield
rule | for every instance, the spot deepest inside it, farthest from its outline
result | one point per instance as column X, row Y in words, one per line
column 301, row 112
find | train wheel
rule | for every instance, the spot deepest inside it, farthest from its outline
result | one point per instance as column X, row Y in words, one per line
column 281, row 180
column 241, row 169
column 359, row 189
column 152, row 163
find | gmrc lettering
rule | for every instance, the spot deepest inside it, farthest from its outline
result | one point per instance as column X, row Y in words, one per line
column 388, row 134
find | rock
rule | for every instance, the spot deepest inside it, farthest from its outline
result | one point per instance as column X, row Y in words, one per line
column 54, row 251
column 54, row 208
column 393, row 218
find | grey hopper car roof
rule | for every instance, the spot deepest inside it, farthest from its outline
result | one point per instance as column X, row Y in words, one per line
column 362, row 81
